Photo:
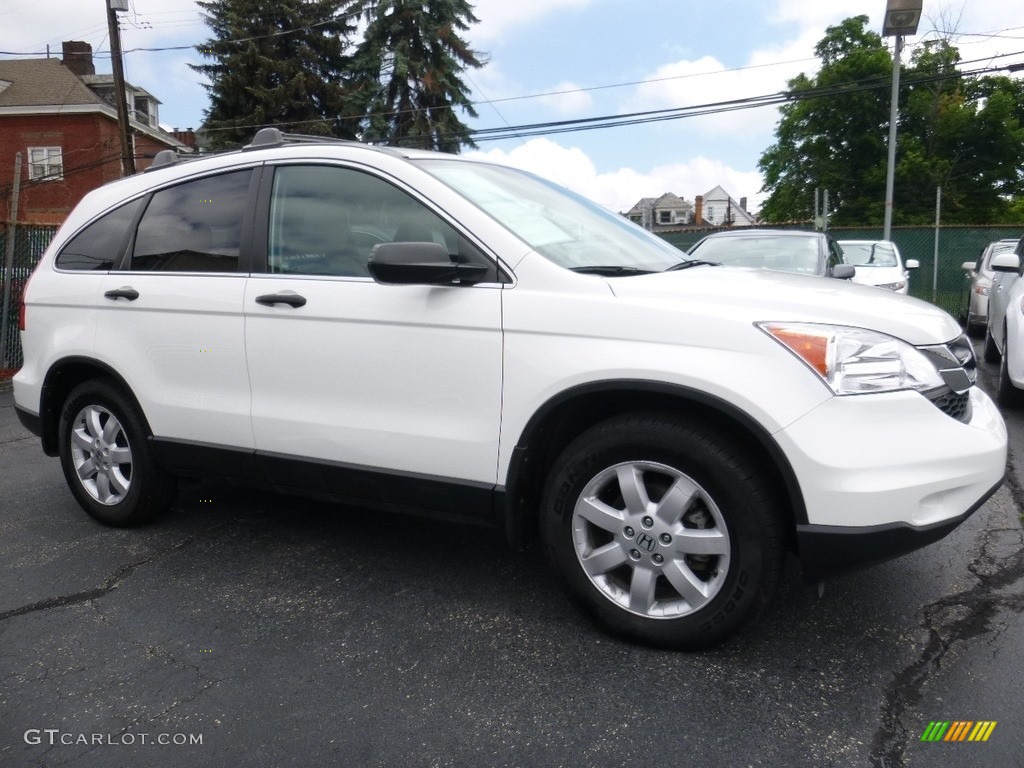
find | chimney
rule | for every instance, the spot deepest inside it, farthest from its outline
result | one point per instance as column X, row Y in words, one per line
column 743, row 203
column 78, row 57
column 698, row 210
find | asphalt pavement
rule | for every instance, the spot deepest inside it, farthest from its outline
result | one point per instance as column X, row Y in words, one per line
column 250, row 629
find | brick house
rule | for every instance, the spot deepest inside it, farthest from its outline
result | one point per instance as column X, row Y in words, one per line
column 62, row 117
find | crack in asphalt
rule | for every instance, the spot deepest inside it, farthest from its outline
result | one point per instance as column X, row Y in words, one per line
column 950, row 620
column 112, row 582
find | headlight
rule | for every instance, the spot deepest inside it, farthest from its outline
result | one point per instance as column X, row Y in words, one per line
column 894, row 286
column 853, row 361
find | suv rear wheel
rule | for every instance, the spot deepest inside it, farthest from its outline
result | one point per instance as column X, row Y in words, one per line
column 106, row 457
column 662, row 530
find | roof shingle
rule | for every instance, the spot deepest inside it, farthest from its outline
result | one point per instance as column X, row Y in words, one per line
column 42, row 83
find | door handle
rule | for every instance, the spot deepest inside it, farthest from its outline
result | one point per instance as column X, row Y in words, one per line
column 291, row 299
column 122, row 293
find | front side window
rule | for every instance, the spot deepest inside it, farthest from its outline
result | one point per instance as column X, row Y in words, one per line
column 194, row 227
column 835, row 254
column 326, row 221
column 100, row 245
column 45, row 163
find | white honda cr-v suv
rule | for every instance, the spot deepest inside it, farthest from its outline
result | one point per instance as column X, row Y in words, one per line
column 419, row 332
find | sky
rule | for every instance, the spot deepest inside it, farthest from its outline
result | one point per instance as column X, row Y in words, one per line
column 550, row 60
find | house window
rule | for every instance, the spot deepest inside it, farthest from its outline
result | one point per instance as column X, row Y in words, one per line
column 664, row 217
column 143, row 111
column 45, row 164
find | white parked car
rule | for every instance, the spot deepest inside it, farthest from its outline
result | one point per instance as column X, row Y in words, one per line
column 1004, row 334
column 419, row 332
column 878, row 263
column 974, row 315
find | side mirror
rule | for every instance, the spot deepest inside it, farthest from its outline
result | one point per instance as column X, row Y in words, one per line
column 912, row 264
column 1005, row 262
column 967, row 266
column 843, row 271
column 419, row 264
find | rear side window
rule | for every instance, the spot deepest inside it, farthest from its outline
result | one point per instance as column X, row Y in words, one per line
column 194, row 227
column 102, row 243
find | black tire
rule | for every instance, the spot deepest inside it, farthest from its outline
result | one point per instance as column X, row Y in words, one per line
column 1006, row 393
column 107, row 460
column 990, row 352
column 737, row 570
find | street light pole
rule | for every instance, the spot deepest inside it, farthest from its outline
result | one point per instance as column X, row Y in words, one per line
column 901, row 19
column 890, row 171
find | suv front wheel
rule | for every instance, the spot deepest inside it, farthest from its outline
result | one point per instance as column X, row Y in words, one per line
column 106, row 457
column 662, row 530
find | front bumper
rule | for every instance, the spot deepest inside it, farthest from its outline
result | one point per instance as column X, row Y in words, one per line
column 826, row 550
column 884, row 474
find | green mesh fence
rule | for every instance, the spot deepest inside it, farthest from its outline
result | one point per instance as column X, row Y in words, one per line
column 29, row 244
column 942, row 282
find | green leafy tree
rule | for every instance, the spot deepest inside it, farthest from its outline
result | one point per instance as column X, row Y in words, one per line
column 407, row 73
column 276, row 64
column 963, row 134
column 832, row 141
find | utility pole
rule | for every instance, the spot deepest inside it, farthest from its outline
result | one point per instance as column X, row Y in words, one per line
column 127, row 158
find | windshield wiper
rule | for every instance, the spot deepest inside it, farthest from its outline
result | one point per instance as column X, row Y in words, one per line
column 610, row 270
column 693, row 263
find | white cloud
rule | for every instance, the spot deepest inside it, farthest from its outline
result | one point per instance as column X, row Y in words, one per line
column 498, row 16
column 618, row 190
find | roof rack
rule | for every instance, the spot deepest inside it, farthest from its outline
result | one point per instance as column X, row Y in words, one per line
column 266, row 138
column 162, row 159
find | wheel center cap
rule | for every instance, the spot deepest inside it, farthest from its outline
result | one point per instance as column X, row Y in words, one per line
column 645, row 542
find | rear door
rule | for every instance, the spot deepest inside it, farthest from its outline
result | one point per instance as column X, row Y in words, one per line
column 170, row 321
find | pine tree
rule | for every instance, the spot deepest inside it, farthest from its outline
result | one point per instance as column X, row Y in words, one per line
column 407, row 73
column 276, row 64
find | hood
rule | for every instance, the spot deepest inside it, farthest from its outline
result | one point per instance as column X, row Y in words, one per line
column 756, row 295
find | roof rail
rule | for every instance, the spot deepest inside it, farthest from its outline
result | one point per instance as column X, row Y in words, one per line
column 266, row 138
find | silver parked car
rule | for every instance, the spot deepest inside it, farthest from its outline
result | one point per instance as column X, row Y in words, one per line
column 878, row 263
column 974, row 314
column 781, row 250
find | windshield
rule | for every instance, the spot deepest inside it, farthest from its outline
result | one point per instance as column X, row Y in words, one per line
column 566, row 228
column 881, row 254
column 781, row 253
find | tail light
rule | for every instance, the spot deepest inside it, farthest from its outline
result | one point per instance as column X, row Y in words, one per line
column 21, row 305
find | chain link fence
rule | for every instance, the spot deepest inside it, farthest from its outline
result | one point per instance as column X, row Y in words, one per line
column 16, row 265
column 942, row 282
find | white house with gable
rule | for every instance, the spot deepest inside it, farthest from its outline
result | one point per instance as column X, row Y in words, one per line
column 721, row 210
